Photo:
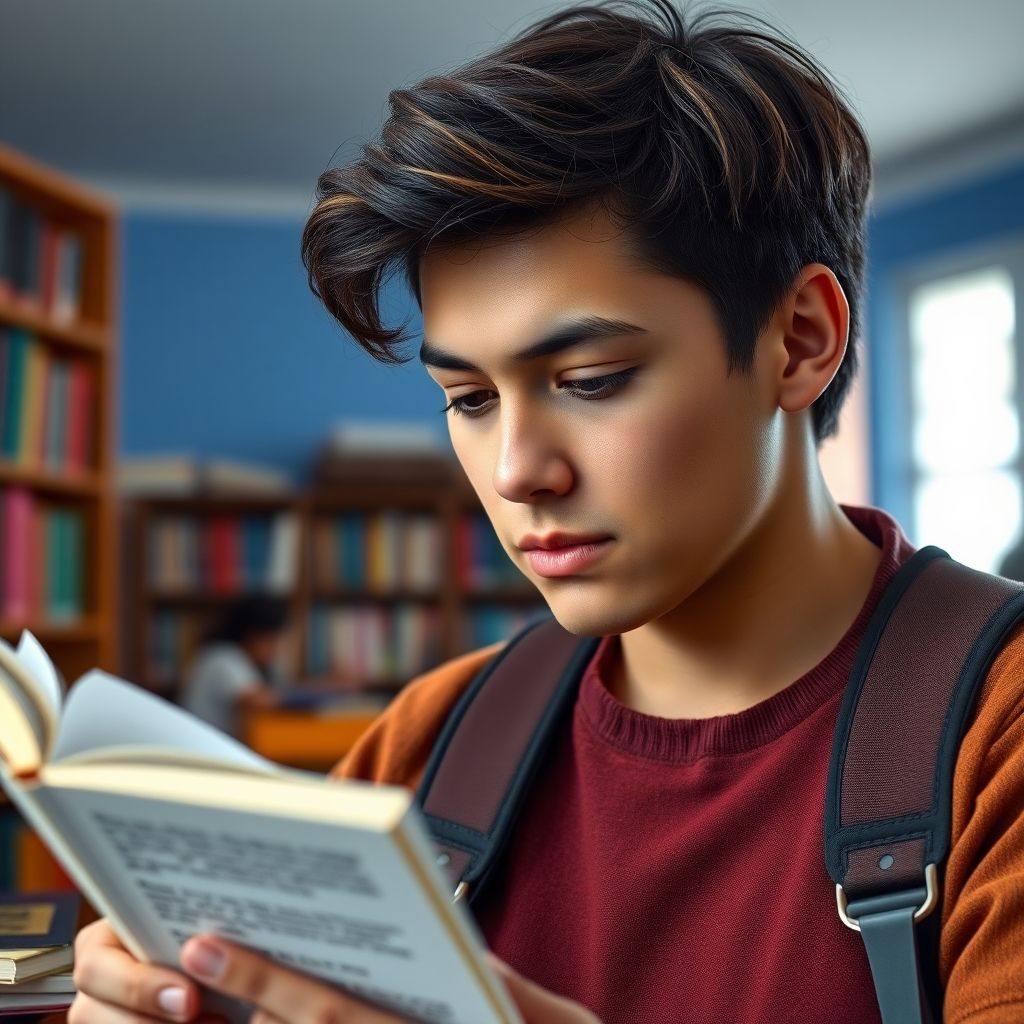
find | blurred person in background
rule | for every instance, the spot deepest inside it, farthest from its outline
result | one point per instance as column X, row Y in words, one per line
column 238, row 665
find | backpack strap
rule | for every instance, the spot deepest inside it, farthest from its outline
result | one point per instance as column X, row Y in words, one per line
column 490, row 749
column 888, row 808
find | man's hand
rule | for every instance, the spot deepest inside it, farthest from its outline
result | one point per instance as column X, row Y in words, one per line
column 114, row 987
column 284, row 996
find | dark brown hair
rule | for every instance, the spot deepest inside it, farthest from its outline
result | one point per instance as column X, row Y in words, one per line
column 729, row 154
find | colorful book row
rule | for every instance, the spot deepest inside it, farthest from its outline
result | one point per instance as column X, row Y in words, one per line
column 47, row 415
column 488, row 624
column 40, row 259
column 381, row 552
column 372, row 645
column 42, row 551
column 25, row 863
column 223, row 553
column 481, row 561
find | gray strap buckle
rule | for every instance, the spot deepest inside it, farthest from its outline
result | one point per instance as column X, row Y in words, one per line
column 886, row 924
column 931, row 900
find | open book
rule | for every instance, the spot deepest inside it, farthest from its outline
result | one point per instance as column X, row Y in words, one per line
column 169, row 827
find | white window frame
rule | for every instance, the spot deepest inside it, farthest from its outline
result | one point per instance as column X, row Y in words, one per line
column 1006, row 251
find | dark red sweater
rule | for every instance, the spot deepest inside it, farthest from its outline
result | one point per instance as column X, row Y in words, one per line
column 672, row 870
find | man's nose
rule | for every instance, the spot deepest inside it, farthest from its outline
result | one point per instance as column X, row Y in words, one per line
column 532, row 458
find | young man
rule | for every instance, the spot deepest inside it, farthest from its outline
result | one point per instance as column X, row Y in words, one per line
column 637, row 244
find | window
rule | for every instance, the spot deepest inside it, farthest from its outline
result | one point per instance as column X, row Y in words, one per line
column 966, row 408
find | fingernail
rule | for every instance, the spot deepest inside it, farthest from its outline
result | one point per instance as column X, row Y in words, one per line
column 171, row 1000
column 204, row 959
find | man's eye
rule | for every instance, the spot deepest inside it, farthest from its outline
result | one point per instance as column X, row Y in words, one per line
column 587, row 388
column 471, row 404
column 598, row 387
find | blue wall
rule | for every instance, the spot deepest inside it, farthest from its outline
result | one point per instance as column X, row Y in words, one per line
column 902, row 236
column 225, row 351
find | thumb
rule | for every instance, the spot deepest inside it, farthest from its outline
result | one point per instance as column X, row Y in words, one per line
column 536, row 1004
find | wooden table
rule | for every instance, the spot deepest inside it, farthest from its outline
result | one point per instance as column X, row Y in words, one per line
column 314, row 740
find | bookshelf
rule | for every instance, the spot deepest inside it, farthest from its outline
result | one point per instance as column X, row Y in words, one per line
column 57, row 374
column 188, row 557
column 398, row 570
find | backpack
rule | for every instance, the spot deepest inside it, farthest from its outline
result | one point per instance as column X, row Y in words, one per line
column 927, row 648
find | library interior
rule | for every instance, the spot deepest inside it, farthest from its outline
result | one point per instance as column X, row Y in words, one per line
column 202, row 479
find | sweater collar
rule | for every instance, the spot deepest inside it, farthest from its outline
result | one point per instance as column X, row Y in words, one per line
column 687, row 739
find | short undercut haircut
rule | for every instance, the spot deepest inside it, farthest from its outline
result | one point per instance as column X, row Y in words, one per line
column 729, row 155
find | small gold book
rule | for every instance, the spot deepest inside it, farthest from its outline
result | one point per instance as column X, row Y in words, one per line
column 168, row 828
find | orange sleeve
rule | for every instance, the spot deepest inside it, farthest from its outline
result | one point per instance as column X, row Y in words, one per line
column 981, row 960
column 395, row 749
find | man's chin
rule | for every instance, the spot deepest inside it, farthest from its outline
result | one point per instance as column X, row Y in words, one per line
column 589, row 618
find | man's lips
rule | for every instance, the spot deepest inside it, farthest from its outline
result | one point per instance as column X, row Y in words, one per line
column 569, row 559
column 552, row 541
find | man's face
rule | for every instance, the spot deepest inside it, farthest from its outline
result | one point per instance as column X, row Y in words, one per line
column 674, row 460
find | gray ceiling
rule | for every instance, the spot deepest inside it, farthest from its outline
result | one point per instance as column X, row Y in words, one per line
column 263, row 92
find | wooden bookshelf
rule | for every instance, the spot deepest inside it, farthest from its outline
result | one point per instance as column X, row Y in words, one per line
column 428, row 491
column 85, row 337
column 192, row 596
column 381, row 592
column 79, row 334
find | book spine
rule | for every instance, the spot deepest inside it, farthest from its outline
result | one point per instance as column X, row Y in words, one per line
column 284, row 553
column 6, row 208
column 5, row 382
column 39, row 558
column 15, row 394
column 48, row 241
column 17, row 524
column 67, row 306
column 76, row 433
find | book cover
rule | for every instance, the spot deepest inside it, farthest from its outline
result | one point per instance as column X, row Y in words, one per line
column 30, row 920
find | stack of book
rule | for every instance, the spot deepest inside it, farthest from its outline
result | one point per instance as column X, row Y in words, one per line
column 36, row 948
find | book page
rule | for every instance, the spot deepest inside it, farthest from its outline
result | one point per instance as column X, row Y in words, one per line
column 23, row 731
column 336, row 902
column 48, row 685
column 140, row 719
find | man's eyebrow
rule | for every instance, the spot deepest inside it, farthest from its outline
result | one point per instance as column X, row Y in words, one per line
column 575, row 331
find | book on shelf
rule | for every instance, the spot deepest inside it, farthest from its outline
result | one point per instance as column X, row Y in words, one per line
column 47, row 404
column 372, row 644
column 40, row 259
column 42, row 550
column 223, row 552
column 380, row 551
column 169, row 828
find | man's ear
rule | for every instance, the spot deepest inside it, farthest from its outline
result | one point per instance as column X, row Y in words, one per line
column 815, row 328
